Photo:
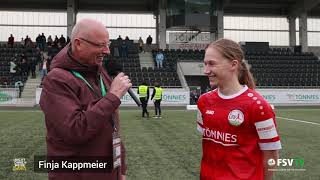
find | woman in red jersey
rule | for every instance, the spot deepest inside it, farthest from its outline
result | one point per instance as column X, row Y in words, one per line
column 240, row 139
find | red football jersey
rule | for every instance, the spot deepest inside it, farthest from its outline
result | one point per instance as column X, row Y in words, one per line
column 235, row 130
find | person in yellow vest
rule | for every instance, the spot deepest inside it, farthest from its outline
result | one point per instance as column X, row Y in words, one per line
column 143, row 91
column 157, row 95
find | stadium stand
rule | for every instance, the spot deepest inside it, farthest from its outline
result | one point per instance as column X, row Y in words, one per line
column 7, row 54
column 281, row 67
column 174, row 55
column 277, row 67
column 167, row 76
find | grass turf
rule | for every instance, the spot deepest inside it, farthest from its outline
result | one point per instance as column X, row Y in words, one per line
column 166, row 149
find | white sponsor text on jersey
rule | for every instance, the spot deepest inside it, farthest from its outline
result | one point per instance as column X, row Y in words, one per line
column 223, row 138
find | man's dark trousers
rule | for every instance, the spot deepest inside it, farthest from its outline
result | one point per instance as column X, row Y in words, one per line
column 144, row 104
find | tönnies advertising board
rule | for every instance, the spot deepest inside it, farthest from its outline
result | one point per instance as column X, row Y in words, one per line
column 291, row 96
column 182, row 40
column 179, row 96
column 172, row 97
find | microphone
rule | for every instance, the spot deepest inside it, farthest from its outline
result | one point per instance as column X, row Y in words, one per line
column 114, row 69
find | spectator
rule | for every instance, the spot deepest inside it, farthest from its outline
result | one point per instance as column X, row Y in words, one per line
column 119, row 43
column 60, row 46
column 19, row 85
column 127, row 40
column 116, row 49
column 43, row 41
column 159, row 59
column 62, row 41
column 49, row 41
column 24, row 65
column 13, row 67
column 44, row 70
column 44, row 56
column 3, row 81
column 33, row 65
column 140, row 41
column 149, row 40
column 41, row 58
column 38, row 42
column 49, row 59
column 11, row 40
column 28, row 42
column 29, row 66
column 194, row 96
column 22, row 42
column 124, row 49
column 56, row 42
column 119, row 38
column 17, row 61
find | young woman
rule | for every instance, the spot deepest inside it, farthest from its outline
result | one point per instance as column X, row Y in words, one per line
column 238, row 125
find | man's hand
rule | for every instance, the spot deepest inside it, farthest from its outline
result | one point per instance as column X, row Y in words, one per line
column 120, row 85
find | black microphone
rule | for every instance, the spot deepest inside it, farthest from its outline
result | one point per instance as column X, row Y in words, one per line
column 113, row 70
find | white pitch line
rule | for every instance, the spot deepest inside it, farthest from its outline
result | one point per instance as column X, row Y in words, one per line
column 9, row 111
column 301, row 121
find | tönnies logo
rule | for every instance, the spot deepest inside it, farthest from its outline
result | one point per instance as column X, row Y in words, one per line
column 211, row 112
column 292, row 164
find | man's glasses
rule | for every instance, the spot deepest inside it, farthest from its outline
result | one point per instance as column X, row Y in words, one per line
column 101, row 46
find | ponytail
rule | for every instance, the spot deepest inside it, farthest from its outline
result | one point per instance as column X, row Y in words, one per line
column 245, row 76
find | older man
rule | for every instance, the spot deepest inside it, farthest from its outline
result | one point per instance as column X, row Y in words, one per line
column 80, row 103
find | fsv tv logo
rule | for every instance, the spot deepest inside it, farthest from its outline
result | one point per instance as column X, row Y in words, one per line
column 292, row 163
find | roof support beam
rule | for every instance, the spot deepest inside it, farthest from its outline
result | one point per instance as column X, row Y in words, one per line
column 302, row 6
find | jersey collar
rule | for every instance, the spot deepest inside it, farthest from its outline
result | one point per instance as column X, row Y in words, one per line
column 245, row 87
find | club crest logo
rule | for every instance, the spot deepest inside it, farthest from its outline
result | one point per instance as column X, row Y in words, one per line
column 19, row 164
column 271, row 162
column 236, row 117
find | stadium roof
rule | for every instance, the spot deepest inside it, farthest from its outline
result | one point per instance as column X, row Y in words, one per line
column 231, row 7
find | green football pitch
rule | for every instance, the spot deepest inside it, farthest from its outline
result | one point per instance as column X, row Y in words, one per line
column 164, row 149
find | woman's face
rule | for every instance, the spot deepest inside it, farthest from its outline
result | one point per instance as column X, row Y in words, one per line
column 218, row 68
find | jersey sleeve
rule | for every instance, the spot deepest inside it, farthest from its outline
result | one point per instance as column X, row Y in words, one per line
column 199, row 122
column 199, row 115
column 265, row 124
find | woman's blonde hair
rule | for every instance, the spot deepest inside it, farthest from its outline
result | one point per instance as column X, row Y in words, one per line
column 232, row 51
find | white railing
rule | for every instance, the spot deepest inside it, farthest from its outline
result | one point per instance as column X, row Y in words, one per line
column 9, row 95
